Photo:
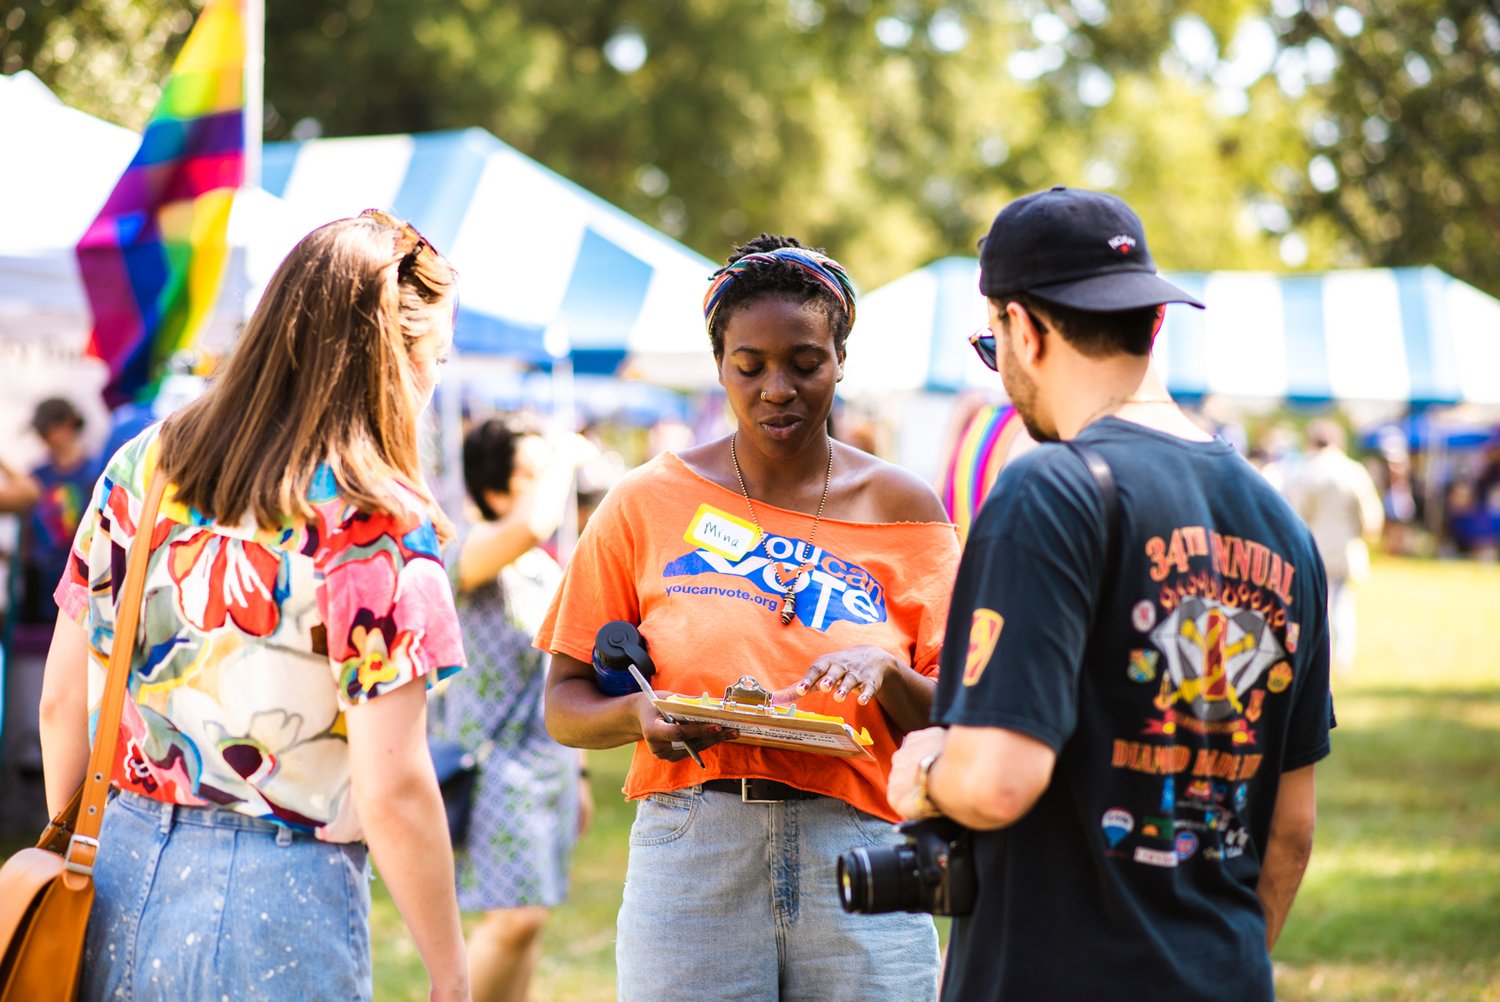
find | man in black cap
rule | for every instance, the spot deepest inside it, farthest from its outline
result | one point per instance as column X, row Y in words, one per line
column 1134, row 687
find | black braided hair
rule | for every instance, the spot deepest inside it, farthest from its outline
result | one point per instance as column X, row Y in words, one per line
column 780, row 279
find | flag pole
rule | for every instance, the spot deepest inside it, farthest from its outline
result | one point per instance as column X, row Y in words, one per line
column 255, row 80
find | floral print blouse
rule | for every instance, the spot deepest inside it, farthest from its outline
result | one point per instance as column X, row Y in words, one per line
column 256, row 641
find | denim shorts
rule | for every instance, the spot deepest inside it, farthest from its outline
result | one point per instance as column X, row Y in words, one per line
column 206, row 904
column 730, row 900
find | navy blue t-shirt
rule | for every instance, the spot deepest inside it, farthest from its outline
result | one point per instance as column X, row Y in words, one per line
column 1176, row 680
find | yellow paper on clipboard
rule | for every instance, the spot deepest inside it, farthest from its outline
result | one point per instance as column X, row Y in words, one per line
column 747, row 708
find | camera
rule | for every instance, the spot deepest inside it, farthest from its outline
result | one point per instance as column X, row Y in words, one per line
column 933, row 871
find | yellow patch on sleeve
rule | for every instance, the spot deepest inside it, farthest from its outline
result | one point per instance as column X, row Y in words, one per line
column 984, row 634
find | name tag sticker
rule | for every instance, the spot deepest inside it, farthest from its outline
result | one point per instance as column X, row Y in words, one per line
column 719, row 532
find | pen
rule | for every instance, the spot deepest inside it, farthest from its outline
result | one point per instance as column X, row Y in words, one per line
column 640, row 680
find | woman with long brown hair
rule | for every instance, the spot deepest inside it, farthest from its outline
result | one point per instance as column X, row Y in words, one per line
column 294, row 590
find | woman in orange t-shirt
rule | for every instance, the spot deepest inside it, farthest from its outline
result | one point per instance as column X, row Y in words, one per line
column 820, row 571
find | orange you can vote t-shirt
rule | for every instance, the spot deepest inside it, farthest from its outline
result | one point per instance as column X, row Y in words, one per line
column 672, row 552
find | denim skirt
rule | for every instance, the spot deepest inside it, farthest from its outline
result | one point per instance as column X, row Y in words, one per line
column 729, row 900
column 204, row 903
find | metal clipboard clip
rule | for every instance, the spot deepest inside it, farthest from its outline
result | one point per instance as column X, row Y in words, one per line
column 749, row 695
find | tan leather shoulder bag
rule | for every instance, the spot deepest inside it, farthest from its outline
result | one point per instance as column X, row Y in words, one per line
column 46, row 891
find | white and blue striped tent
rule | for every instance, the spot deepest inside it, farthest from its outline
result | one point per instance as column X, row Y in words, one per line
column 1390, row 335
column 545, row 266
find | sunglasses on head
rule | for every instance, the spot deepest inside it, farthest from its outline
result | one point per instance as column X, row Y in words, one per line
column 409, row 242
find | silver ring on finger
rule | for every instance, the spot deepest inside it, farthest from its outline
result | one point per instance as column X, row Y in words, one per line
column 679, row 746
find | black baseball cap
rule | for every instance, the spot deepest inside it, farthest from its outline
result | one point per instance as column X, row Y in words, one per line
column 1077, row 248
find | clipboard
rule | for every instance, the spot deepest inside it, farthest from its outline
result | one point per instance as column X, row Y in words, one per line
column 747, row 708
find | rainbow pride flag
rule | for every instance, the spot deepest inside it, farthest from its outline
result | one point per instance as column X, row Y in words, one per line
column 977, row 453
column 154, row 259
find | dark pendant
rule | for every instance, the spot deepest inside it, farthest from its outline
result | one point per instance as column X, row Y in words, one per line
column 788, row 606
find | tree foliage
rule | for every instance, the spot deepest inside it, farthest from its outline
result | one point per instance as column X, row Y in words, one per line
column 1248, row 133
column 1402, row 130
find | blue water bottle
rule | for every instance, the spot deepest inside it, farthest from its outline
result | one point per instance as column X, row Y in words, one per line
column 618, row 645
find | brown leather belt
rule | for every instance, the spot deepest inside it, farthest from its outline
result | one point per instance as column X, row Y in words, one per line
column 759, row 791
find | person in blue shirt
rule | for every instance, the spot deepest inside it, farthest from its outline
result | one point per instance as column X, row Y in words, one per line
column 52, row 497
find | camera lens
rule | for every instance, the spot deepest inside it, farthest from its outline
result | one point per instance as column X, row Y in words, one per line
column 876, row 881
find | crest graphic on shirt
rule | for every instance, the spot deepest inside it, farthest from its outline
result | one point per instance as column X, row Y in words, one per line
column 832, row 591
column 1143, row 665
column 1213, row 653
column 984, row 634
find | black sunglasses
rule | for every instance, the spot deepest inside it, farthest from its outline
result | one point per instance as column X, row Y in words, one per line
column 983, row 341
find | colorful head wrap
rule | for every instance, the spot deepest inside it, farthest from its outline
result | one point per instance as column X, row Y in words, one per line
column 828, row 272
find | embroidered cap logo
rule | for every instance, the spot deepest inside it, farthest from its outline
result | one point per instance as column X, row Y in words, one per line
column 1124, row 243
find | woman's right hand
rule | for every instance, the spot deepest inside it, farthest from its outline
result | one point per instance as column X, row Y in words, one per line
column 669, row 742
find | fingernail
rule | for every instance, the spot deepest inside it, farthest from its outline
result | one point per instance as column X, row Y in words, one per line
column 802, row 688
column 863, row 699
column 825, row 684
column 715, row 729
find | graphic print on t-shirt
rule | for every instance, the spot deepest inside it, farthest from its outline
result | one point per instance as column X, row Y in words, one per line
column 832, row 590
column 1215, row 646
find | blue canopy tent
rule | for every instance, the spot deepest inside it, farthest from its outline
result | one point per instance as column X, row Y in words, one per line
column 1413, row 336
column 550, row 269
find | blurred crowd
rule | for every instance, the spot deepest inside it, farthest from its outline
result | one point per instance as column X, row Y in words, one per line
column 1439, row 502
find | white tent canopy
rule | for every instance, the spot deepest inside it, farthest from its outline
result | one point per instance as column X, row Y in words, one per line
column 547, row 268
column 1382, row 335
column 59, row 168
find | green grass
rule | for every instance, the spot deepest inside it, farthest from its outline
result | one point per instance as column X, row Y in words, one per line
column 578, row 948
column 1402, row 900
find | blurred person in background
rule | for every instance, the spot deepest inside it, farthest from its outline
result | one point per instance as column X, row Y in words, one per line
column 532, row 799
column 1276, row 455
column 815, row 569
column 295, row 607
column 1398, row 500
column 1468, row 530
column 51, row 498
column 1338, row 500
column 1487, row 490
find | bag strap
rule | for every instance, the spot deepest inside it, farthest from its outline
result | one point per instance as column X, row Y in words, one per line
column 84, row 845
column 1104, row 479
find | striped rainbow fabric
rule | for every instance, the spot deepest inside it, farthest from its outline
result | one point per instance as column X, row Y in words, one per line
column 977, row 453
column 154, row 258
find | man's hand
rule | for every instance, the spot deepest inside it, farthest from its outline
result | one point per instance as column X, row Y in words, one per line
column 901, row 788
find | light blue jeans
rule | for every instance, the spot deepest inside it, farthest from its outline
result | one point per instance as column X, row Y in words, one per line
column 728, row 900
column 202, row 903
